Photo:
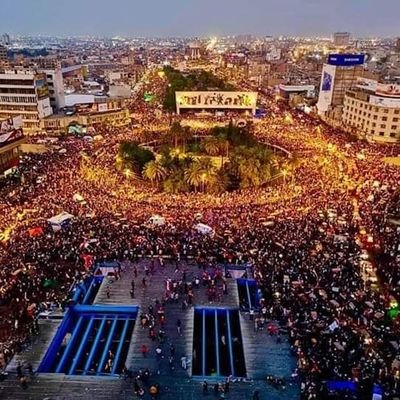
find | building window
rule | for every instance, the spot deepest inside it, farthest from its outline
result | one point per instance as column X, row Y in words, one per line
column 394, row 127
column 392, row 134
column 383, row 126
column 395, row 119
column 384, row 118
column 381, row 133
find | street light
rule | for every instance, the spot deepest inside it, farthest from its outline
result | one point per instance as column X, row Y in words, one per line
column 203, row 178
column 128, row 173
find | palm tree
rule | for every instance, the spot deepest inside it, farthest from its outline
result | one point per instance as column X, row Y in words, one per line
column 249, row 170
column 212, row 146
column 193, row 175
column 200, row 172
column 154, row 171
column 223, row 144
column 176, row 132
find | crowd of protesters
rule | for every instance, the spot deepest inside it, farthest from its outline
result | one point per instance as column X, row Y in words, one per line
column 306, row 237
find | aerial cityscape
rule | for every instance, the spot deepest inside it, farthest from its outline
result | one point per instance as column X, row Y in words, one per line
column 200, row 200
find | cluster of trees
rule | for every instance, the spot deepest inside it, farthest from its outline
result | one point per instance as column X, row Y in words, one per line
column 132, row 157
column 201, row 80
column 229, row 158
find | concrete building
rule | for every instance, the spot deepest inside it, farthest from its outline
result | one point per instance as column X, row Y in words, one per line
column 121, row 90
column 195, row 50
column 258, row 72
column 5, row 39
column 3, row 58
column 26, row 93
column 341, row 38
column 398, row 44
column 55, row 84
column 372, row 110
column 339, row 75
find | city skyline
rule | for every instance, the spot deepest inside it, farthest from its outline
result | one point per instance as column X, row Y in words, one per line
column 169, row 19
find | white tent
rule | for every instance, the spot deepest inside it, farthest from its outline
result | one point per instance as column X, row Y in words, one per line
column 79, row 198
column 157, row 220
column 203, row 228
column 59, row 220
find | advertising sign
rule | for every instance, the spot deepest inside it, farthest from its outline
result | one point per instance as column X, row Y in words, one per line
column 215, row 100
column 385, row 101
column 346, row 60
column 326, row 88
column 10, row 130
column 44, row 108
column 367, row 84
column 41, row 87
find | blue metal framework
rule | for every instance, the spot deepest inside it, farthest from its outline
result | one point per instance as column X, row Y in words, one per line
column 80, row 322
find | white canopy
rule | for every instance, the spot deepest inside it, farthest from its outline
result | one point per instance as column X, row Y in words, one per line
column 203, row 228
column 79, row 198
column 157, row 220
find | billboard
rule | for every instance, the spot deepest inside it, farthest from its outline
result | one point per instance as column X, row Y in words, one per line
column 10, row 130
column 216, row 100
column 367, row 84
column 385, row 101
column 41, row 87
column 326, row 88
column 346, row 60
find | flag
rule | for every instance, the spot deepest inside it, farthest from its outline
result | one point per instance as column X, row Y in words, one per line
column 37, row 231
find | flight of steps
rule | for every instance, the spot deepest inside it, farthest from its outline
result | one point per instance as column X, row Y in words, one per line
column 39, row 346
column 263, row 355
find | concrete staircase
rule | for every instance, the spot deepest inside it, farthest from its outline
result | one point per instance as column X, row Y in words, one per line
column 263, row 355
column 39, row 346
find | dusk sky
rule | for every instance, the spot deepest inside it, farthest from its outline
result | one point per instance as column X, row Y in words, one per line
column 199, row 17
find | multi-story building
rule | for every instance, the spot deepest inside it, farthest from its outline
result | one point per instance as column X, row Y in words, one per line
column 26, row 93
column 88, row 115
column 338, row 75
column 5, row 39
column 398, row 44
column 341, row 38
column 11, row 138
column 3, row 58
column 372, row 109
column 55, row 84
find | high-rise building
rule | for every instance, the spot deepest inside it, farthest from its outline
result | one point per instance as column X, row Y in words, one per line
column 5, row 39
column 55, row 83
column 195, row 50
column 341, row 38
column 3, row 58
column 372, row 109
column 339, row 74
column 398, row 44
column 26, row 93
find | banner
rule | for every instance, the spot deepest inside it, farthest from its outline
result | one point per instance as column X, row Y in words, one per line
column 346, row 60
column 213, row 100
column 385, row 101
column 326, row 88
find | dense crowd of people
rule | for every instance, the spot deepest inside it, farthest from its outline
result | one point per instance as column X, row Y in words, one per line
column 308, row 236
